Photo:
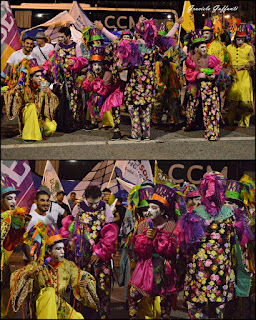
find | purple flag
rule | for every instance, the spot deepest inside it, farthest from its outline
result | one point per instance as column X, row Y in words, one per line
column 21, row 177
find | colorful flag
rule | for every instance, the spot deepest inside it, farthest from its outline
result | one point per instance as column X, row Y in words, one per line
column 21, row 177
column 160, row 177
column 9, row 34
column 52, row 182
column 189, row 20
column 134, row 171
column 81, row 19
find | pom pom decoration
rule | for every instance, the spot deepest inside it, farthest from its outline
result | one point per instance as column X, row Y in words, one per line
column 247, row 193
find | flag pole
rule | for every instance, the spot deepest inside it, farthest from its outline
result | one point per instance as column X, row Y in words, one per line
column 44, row 173
column 111, row 175
column 155, row 172
column 184, row 5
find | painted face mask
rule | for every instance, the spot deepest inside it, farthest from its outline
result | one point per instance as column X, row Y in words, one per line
column 97, row 67
column 153, row 212
column 202, row 49
column 93, row 203
column 231, row 204
column 58, row 252
column 10, row 201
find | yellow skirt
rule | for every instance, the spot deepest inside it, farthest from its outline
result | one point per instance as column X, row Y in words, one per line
column 242, row 89
column 31, row 124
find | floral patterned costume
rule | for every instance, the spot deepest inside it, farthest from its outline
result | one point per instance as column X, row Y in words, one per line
column 204, row 102
column 140, row 92
column 70, row 115
column 155, row 271
column 94, row 236
column 210, row 276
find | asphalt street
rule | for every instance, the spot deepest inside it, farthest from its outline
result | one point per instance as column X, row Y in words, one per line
column 235, row 143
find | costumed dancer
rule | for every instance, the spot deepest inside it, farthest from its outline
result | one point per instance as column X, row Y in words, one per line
column 104, row 94
column 122, row 54
column 193, row 196
column 207, row 236
column 62, row 68
column 204, row 102
column 155, row 249
column 93, row 242
column 24, row 99
column 140, row 91
column 91, row 37
column 47, row 279
column 239, row 99
column 13, row 226
column 138, row 206
column 212, row 32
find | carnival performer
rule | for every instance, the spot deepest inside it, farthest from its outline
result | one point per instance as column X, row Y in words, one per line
column 193, row 197
column 62, row 68
column 204, row 102
column 122, row 54
column 46, row 280
column 103, row 93
column 154, row 246
column 169, row 81
column 140, row 91
column 93, row 242
column 239, row 99
column 34, row 107
column 207, row 236
column 13, row 226
column 212, row 32
column 91, row 37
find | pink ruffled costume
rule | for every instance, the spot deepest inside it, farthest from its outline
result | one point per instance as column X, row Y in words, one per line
column 104, row 95
column 155, row 271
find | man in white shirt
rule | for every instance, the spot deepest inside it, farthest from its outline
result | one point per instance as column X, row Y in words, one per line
column 42, row 50
column 42, row 201
column 17, row 56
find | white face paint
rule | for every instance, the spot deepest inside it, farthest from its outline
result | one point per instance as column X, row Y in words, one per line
column 202, row 49
column 239, row 41
column 230, row 204
column 126, row 37
column 62, row 38
column 37, row 77
column 58, row 252
column 10, row 201
column 93, row 203
column 153, row 212
column 97, row 67
column 207, row 35
column 197, row 201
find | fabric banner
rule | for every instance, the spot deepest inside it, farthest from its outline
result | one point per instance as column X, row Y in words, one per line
column 52, row 182
column 160, row 177
column 103, row 176
column 189, row 20
column 80, row 18
column 9, row 34
column 134, row 171
column 21, row 177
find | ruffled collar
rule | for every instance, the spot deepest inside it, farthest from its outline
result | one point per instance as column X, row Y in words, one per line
column 67, row 46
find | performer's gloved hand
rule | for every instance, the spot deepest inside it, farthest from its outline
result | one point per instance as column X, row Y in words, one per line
column 47, row 90
column 201, row 75
column 151, row 234
column 98, row 24
column 94, row 258
column 32, row 273
column 90, row 76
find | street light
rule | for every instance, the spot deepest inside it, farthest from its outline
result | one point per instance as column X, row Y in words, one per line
column 227, row 16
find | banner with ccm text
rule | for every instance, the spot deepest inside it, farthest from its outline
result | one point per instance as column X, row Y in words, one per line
column 9, row 34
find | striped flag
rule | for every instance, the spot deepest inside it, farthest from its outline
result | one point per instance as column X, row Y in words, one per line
column 9, row 34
